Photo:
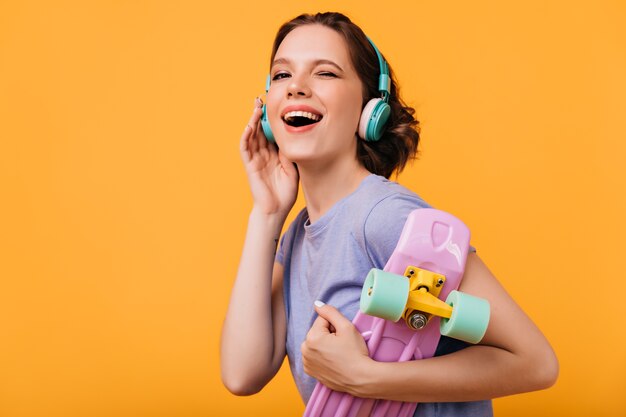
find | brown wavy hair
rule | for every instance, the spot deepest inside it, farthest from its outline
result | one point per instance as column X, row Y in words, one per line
column 400, row 138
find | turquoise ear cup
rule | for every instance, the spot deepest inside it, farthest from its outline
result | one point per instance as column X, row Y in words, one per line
column 265, row 124
column 377, row 121
column 374, row 116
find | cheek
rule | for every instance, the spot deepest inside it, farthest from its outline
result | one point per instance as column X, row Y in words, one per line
column 349, row 105
column 272, row 102
column 348, row 113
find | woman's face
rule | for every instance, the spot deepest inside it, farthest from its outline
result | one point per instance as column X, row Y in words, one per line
column 315, row 99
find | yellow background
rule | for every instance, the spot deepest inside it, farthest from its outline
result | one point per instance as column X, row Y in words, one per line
column 124, row 203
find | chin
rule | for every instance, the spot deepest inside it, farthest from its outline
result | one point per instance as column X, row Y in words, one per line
column 296, row 146
column 297, row 156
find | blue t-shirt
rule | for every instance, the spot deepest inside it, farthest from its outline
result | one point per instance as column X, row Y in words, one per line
column 329, row 260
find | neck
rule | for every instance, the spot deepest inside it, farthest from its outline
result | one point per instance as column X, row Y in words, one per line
column 324, row 186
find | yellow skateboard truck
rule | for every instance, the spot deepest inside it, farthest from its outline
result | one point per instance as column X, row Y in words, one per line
column 423, row 301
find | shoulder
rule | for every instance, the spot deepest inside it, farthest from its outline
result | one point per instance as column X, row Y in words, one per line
column 378, row 194
column 385, row 220
column 393, row 208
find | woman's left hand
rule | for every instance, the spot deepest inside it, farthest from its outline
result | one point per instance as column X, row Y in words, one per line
column 334, row 351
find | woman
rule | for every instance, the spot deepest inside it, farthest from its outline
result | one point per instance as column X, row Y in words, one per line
column 323, row 72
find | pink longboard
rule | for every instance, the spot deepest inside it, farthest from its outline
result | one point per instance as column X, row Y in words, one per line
column 433, row 240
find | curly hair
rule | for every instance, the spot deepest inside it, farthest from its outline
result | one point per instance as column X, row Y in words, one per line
column 400, row 138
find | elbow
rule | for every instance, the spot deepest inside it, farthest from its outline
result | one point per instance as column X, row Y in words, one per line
column 549, row 373
column 240, row 386
column 546, row 371
column 242, row 378
column 238, row 377
column 242, row 381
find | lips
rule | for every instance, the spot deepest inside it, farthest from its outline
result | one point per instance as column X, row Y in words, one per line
column 300, row 118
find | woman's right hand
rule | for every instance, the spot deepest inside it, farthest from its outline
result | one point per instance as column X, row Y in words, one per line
column 273, row 178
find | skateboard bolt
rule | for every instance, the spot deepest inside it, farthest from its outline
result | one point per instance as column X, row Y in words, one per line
column 418, row 321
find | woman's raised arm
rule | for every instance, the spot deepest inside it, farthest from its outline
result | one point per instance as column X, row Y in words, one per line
column 253, row 335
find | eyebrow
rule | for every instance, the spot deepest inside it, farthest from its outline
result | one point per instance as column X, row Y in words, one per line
column 315, row 63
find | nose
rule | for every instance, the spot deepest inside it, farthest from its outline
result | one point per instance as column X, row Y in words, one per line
column 298, row 87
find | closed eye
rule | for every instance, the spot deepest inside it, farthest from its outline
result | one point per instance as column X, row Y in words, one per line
column 327, row 74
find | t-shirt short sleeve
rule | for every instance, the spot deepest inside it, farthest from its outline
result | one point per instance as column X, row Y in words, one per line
column 286, row 241
column 280, row 252
column 384, row 225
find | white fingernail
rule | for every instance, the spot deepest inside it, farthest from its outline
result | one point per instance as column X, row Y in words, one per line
column 319, row 303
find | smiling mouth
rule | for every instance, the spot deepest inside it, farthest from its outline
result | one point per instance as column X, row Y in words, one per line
column 301, row 118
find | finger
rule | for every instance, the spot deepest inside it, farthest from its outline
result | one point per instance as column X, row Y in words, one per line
column 320, row 326
column 287, row 165
column 250, row 129
column 259, row 135
column 256, row 113
column 253, row 141
column 244, row 144
column 255, row 123
column 332, row 316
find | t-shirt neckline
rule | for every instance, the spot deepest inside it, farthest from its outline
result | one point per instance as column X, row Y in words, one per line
column 311, row 230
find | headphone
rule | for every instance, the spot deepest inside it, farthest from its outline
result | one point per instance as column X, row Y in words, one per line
column 374, row 116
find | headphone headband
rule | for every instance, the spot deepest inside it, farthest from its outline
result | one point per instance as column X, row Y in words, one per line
column 384, row 82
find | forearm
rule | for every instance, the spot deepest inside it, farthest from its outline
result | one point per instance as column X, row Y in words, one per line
column 514, row 356
column 249, row 355
column 475, row 373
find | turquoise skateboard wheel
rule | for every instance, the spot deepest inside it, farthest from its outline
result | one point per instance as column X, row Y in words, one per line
column 469, row 320
column 384, row 294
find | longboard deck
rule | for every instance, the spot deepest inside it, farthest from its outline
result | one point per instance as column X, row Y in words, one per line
column 431, row 239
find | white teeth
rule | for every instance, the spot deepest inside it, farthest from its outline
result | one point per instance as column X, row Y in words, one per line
column 306, row 114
